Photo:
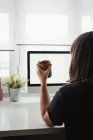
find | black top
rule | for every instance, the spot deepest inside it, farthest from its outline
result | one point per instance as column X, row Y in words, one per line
column 73, row 106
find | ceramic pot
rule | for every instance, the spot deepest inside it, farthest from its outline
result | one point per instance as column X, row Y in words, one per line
column 15, row 94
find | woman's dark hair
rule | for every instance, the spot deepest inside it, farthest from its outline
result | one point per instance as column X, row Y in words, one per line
column 81, row 67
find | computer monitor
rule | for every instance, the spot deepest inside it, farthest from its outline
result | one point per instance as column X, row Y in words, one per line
column 60, row 61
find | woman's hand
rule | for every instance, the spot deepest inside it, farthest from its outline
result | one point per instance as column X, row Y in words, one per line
column 43, row 74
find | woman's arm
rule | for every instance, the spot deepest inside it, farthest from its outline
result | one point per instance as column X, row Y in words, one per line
column 44, row 97
column 44, row 103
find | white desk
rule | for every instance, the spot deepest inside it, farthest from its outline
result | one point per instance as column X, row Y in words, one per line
column 23, row 118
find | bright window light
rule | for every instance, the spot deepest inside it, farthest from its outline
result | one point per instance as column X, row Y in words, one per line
column 87, row 23
column 46, row 28
column 4, row 63
column 4, row 43
column 4, row 27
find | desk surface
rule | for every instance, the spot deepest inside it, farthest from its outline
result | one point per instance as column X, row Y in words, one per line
column 23, row 118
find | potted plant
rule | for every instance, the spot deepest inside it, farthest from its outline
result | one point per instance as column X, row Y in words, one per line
column 15, row 83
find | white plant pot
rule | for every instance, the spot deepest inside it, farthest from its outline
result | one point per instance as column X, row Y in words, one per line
column 15, row 94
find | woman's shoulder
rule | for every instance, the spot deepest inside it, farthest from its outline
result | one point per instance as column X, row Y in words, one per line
column 68, row 87
column 67, row 91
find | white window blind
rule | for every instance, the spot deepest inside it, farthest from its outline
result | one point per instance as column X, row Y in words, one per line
column 44, row 22
column 4, row 31
column 6, row 24
column 46, row 29
column 50, row 22
column 87, row 23
column 4, row 63
column 7, row 11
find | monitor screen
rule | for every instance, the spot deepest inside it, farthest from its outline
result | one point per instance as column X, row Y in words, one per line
column 60, row 66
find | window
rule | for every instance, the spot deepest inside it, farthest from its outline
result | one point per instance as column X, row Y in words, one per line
column 4, row 30
column 4, row 43
column 60, row 66
column 87, row 23
column 4, row 63
column 23, row 54
column 46, row 29
column 6, row 36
